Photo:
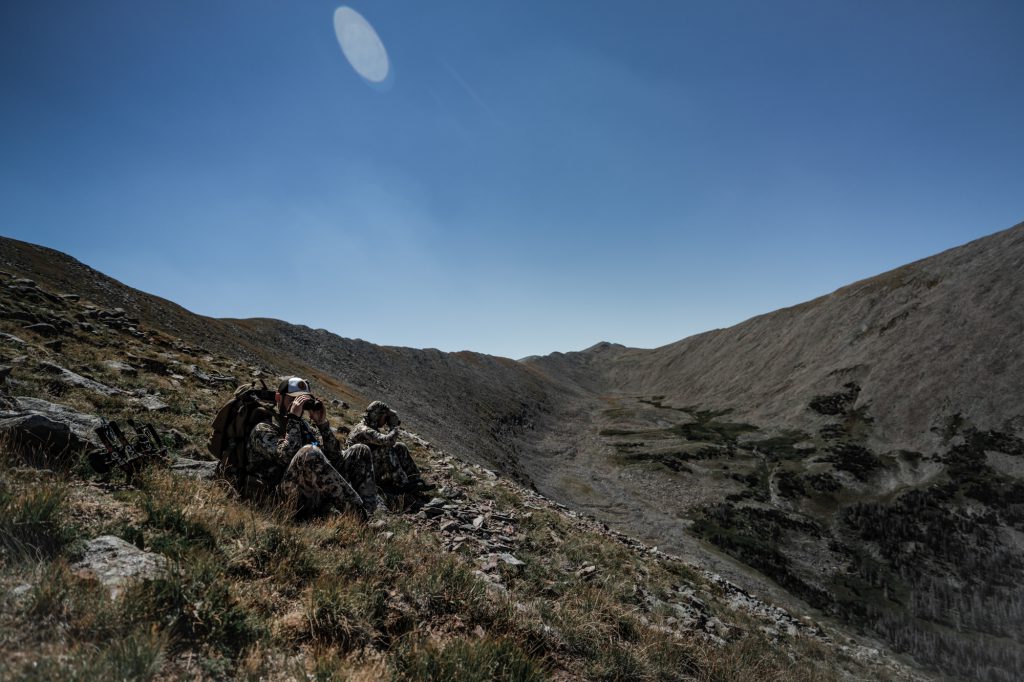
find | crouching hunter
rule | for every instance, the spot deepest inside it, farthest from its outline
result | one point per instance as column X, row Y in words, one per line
column 392, row 463
column 298, row 453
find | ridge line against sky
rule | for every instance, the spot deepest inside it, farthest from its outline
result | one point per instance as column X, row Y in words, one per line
column 510, row 179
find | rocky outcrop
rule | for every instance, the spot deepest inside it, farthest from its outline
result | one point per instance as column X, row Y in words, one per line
column 47, row 434
column 116, row 564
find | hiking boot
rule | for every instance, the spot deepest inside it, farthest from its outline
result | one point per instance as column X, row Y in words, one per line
column 417, row 484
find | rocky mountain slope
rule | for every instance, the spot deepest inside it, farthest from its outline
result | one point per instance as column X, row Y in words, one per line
column 923, row 342
column 863, row 449
column 857, row 456
column 163, row 573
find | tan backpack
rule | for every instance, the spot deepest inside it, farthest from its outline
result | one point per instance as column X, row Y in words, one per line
column 249, row 406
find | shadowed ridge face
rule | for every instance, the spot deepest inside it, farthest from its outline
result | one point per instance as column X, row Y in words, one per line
column 930, row 339
column 864, row 451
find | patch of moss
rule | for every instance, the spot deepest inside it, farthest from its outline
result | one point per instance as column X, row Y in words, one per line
column 823, row 482
column 836, row 403
column 854, row 459
column 782, row 446
column 790, row 484
column 755, row 536
column 619, row 432
column 674, row 461
column 711, row 431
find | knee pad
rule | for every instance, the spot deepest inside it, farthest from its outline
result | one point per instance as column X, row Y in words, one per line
column 307, row 452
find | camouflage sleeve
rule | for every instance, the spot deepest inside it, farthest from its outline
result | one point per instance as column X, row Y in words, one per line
column 292, row 441
column 263, row 442
column 331, row 446
column 364, row 434
column 264, row 449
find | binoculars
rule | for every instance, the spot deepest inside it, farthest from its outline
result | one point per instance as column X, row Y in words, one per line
column 312, row 404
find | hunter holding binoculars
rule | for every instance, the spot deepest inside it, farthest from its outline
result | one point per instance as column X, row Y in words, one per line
column 297, row 453
column 394, row 468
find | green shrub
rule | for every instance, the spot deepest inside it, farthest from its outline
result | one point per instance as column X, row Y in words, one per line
column 463, row 661
column 32, row 522
column 181, row 533
column 195, row 605
column 446, row 586
column 137, row 656
column 337, row 617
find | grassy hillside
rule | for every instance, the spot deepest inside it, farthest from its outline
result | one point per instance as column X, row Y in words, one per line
column 488, row 581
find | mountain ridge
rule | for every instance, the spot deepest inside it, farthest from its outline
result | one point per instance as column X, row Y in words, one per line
column 810, row 425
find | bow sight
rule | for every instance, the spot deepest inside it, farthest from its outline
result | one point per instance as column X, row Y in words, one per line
column 129, row 455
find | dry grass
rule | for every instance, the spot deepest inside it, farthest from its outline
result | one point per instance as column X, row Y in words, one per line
column 254, row 595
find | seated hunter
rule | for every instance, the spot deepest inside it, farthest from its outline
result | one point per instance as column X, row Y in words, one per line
column 392, row 464
column 298, row 455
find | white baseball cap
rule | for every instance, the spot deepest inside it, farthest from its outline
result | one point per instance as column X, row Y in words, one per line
column 294, row 386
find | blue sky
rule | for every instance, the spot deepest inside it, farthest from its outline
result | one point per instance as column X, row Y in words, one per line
column 532, row 176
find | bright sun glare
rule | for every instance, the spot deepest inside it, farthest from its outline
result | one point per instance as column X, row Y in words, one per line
column 361, row 45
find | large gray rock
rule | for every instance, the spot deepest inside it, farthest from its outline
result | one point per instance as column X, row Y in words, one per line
column 194, row 468
column 40, row 440
column 81, row 424
column 46, row 434
column 43, row 329
column 121, row 367
column 66, row 376
column 12, row 339
column 116, row 563
column 150, row 402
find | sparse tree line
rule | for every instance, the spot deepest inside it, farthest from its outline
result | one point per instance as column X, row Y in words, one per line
column 967, row 657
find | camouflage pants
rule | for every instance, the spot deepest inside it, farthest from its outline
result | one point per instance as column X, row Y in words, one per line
column 356, row 465
column 313, row 484
column 393, row 465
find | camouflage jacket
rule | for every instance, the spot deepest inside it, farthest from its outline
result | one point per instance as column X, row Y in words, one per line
column 361, row 433
column 273, row 444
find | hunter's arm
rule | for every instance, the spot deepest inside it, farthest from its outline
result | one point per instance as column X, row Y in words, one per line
column 364, row 434
column 263, row 448
column 331, row 446
column 292, row 441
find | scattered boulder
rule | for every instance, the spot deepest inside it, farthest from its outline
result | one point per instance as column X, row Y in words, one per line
column 510, row 560
column 587, row 572
column 214, row 379
column 178, row 438
column 116, row 563
column 19, row 593
column 44, row 329
column 151, row 403
column 121, row 367
column 194, row 468
column 45, row 434
column 39, row 440
column 153, row 365
column 81, row 424
column 69, row 378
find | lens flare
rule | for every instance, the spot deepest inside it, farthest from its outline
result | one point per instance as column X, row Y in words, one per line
column 361, row 45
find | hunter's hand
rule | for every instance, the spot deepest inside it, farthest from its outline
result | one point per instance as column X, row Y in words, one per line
column 393, row 435
column 319, row 417
column 296, row 408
